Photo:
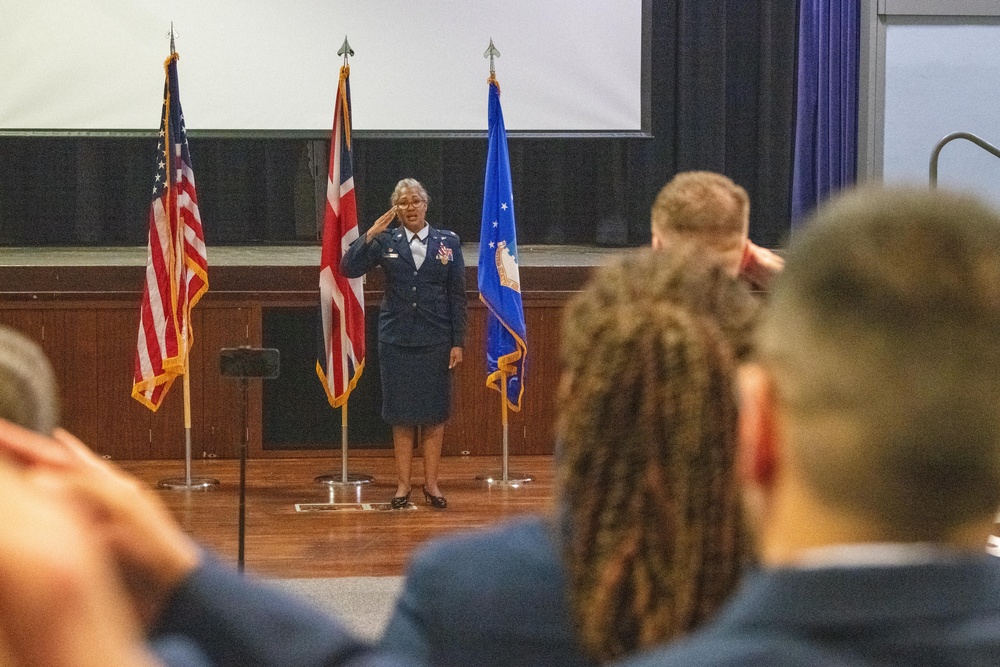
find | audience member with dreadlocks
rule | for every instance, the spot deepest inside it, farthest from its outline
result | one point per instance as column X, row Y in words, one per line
column 645, row 543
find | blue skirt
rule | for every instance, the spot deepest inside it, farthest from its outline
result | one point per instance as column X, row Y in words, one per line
column 416, row 383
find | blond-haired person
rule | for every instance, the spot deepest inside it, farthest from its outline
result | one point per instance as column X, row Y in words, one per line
column 709, row 213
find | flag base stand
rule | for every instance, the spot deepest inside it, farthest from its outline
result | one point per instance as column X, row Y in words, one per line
column 351, row 479
column 513, row 479
column 505, row 477
column 196, row 484
column 187, row 482
column 344, row 478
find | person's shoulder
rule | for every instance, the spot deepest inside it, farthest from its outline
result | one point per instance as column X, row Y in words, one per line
column 715, row 647
column 527, row 534
column 702, row 654
column 448, row 235
column 513, row 560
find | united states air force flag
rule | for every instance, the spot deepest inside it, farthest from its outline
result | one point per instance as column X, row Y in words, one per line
column 499, row 282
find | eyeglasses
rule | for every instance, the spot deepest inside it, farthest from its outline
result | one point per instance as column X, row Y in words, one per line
column 413, row 203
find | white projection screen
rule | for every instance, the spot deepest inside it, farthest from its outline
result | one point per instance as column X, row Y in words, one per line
column 259, row 66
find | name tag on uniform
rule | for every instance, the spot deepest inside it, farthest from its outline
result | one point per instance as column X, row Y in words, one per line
column 391, row 254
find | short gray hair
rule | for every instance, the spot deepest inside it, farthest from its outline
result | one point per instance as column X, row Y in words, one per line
column 413, row 184
column 28, row 390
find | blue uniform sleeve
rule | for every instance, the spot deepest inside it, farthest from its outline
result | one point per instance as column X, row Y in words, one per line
column 236, row 621
column 407, row 633
column 174, row 651
column 456, row 295
column 361, row 257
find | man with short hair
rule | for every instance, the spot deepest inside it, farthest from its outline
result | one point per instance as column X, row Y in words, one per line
column 28, row 394
column 870, row 445
column 711, row 212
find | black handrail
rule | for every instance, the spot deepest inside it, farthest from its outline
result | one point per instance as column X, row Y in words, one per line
column 979, row 141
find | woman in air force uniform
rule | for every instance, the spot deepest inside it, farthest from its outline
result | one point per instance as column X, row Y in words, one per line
column 421, row 328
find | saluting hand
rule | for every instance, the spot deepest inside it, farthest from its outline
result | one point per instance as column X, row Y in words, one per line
column 381, row 224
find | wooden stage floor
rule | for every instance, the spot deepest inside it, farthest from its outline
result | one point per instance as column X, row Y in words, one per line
column 282, row 542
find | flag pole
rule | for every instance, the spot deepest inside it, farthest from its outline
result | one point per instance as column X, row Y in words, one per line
column 505, row 478
column 346, row 478
column 503, row 418
column 187, row 422
column 188, row 483
column 343, row 443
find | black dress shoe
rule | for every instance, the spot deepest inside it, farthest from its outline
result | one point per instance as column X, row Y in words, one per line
column 399, row 502
column 435, row 501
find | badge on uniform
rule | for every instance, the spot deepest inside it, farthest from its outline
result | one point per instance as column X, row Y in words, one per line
column 444, row 254
column 391, row 254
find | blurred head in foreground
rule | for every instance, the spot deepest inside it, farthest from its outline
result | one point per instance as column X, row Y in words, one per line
column 647, row 433
column 28, row 393
column 873, row 414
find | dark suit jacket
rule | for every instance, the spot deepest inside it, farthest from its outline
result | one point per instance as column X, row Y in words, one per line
column 945, row 613
column 235, row 621
column 495, row 598
column 425, row 306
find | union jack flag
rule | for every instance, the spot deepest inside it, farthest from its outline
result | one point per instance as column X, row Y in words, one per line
column 176, row 264
column 342, row 301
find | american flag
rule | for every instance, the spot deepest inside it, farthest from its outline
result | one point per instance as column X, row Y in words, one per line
column 342, row 303
column 176, row 264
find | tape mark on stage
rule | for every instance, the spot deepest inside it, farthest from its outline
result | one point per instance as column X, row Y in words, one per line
column 349, row 507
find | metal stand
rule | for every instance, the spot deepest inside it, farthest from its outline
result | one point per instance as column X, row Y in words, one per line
column 244, row 444
column 345, row 478
column 188, row 483
column 504, row 477
column 244, row 363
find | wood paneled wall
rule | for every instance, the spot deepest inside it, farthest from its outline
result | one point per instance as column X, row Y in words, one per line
column 90, row 336
column 92, row 349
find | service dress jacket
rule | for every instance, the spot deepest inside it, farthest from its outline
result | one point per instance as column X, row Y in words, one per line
column 425, row 306
column 928, row 615
column 494, row 598
column 219, row 618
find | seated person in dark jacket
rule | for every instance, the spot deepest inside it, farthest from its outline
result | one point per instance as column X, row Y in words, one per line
column 870, row 445
column 646, row 540
column 92, row 558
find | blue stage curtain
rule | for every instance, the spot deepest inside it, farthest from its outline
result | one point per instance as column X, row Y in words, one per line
column 826, row 123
